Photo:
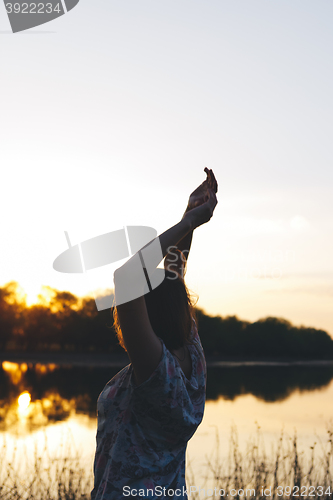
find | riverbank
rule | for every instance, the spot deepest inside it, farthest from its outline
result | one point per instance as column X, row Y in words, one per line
column 120, row 360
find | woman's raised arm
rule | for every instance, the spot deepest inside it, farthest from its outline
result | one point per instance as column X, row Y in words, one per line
column 176, row 259
column 143, row 346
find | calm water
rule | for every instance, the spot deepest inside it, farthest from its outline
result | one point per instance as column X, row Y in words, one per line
column 62, row 410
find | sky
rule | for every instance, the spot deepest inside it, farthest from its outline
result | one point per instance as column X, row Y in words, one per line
column 110, row 113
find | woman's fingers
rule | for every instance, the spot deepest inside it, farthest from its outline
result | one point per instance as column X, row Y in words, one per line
column 209, row 177
column 201, row 194
column 212, row 199
column 214, row 182
column 211, row 203
column 211, row 181
column 203, row 213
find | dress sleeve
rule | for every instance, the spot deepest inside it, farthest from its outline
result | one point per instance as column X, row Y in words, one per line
column 167, row 404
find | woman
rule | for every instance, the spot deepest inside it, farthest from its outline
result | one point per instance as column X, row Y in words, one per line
column 151, row 408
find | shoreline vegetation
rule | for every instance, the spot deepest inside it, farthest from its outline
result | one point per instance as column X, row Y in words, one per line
column 64, row 325
column 284, row 473
column 99, row 360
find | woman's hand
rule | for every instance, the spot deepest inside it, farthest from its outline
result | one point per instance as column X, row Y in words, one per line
column 201, row 195
column 202, row 213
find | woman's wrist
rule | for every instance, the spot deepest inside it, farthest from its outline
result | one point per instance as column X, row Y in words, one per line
column 186, row 211
column 187, row 217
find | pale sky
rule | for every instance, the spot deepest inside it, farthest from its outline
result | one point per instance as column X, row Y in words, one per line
column 110, row 113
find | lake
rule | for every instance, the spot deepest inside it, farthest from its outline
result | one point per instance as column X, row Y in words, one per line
column 62, row 409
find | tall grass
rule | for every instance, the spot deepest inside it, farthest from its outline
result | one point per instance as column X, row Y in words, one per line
column 286, row 473
column 41, row 475
column 63, row 476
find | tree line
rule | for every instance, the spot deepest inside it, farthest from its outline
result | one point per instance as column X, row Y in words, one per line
column 67, row 323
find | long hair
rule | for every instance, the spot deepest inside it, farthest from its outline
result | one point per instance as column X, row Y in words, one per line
column 171, row 312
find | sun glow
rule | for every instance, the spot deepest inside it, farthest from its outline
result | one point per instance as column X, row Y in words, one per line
column 32, row 292
column 24, row 400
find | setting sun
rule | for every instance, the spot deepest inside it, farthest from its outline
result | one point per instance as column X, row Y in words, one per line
column 32, row 291
column 24, row 400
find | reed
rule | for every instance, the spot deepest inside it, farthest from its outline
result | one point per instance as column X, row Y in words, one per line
column 286, row 472
column 42, row 475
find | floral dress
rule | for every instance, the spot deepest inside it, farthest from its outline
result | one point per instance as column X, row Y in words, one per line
column 143, row 430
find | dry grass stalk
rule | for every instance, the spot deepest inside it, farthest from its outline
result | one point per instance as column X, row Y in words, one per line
column 40, row 476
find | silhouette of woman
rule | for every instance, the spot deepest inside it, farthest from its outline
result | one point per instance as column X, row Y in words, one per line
column 148, row 412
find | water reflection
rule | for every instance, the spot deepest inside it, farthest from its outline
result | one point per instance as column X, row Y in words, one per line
column 56, row 392
column 267, row 383
column 24, row 401
column 50, row 393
